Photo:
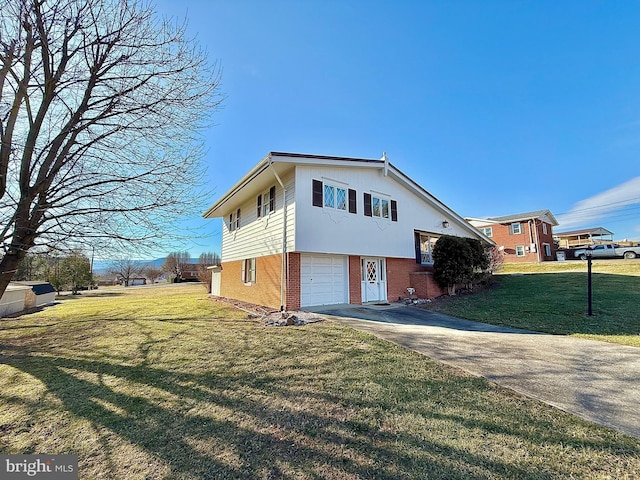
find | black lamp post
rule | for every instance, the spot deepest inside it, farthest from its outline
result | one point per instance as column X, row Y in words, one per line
column 589, row 255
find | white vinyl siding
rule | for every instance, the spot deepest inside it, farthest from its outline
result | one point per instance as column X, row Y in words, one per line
column 261, row 236
column 328, row 230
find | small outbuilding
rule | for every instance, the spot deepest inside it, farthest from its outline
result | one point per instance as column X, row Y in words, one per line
column 13, row 299
column 40, row 294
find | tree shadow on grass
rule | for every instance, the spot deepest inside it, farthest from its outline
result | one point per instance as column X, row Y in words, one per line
column 269, row 439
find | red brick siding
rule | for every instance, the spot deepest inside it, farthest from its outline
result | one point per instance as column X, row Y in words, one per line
column 266, row 290
column 399, row 272
column 425, row 285
column 355, row 280
column 293, row 287
column 503, row 238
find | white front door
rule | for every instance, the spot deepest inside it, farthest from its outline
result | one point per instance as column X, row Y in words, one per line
column 374, row 285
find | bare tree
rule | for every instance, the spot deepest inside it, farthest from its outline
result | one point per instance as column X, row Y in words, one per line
column 101, row 109
column 152, row 273
column 124, row 270
column 175, row 264
column 205, row 261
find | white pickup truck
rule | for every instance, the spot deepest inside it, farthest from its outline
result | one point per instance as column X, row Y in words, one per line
column 608, row 250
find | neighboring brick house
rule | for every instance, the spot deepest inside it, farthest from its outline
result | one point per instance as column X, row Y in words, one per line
column 524, row 237
column 303, row 230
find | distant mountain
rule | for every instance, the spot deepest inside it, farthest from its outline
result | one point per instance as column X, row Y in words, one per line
column 100, row 267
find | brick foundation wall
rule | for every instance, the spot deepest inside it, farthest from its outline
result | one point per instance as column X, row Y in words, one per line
column 293, row 287
column 399, row 272
column 355, row 280
column 266, row 290
column 425, row 285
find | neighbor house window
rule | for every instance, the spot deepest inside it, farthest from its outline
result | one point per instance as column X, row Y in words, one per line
column 520, row 251
column 488, row 231
column 249, row 270
column 266, row 203
column 516, row 228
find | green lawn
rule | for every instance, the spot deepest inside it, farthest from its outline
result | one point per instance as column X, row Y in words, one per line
column 552, row 297
column 162, row 383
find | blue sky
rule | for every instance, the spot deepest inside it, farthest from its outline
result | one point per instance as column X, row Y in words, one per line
column 495, row 107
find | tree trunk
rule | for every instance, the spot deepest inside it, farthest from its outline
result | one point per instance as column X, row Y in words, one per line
column 8, row 267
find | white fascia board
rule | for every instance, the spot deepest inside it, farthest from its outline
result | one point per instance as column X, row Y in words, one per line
column 325, row 161
column 551, row 219
column 285, row 158
column 213, row 212
column 448, row 214
column 481, row 221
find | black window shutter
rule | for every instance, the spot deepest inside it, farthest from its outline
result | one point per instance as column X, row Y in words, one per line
column 238, row 218
column 317, row 193
column 272, row 199
column 259, row 206
column 367, row 205
column 353, row 208
column 394, row 211
column 416, row 237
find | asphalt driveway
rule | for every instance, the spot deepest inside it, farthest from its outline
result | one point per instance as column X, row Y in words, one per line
column 597, row 381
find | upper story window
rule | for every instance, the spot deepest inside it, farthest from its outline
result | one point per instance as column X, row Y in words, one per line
column 544, row 228
column 376, row 205
column 234, row 221
column 516, row 228
column 334, row 195
column 266, row 202
column 488, row 231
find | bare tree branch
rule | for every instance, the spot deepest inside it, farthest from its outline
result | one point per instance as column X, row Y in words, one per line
column 101, row 108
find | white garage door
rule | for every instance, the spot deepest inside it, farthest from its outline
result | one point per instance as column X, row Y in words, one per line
column 323, row 279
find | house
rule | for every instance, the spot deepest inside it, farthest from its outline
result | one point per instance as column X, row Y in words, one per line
column 583, row 238
column 301, row 230
column 524, row 237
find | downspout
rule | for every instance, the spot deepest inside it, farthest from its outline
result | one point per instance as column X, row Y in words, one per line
column 283, row 265
column 535, row 239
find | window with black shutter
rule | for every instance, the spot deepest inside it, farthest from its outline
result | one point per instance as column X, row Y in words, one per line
column 353, row 208
column 367, row 205
column 317, row 193
column 272, row 199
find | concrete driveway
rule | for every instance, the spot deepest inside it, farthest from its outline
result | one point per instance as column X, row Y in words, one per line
column 597, row 381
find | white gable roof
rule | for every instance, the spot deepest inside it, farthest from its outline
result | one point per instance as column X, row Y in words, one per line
column 262, row 175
